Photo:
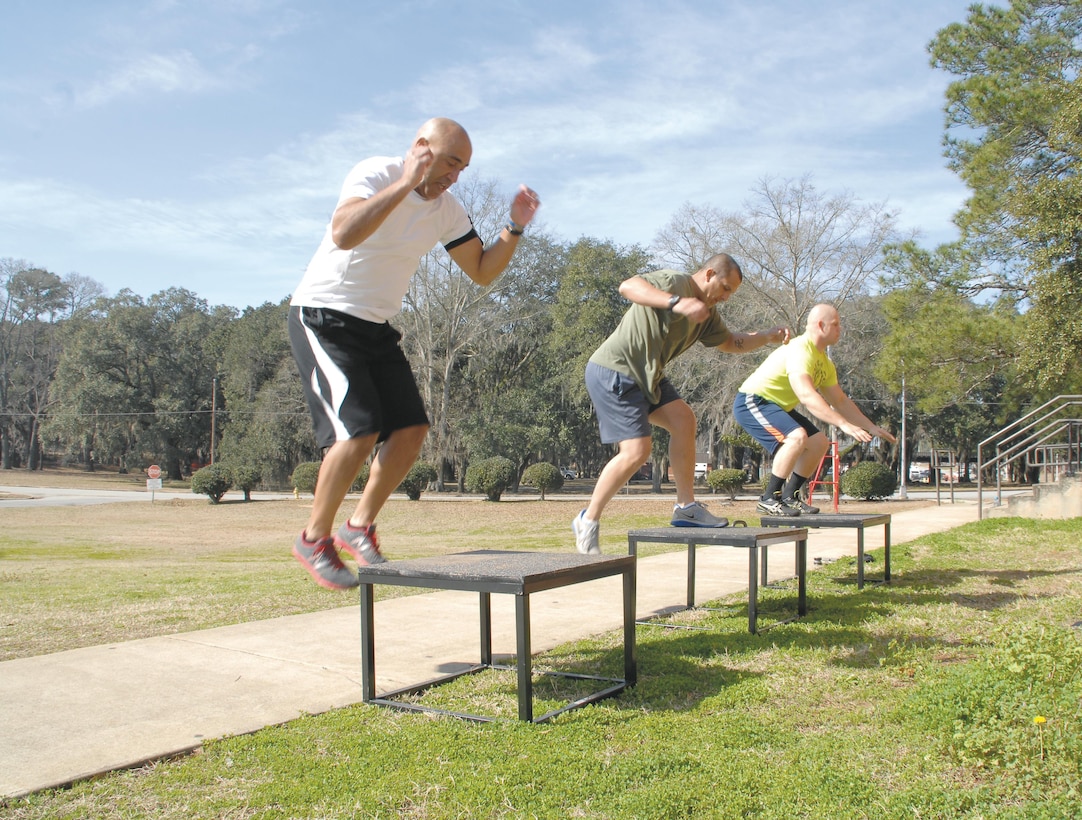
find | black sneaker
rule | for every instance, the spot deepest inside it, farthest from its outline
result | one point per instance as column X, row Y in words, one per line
column 775, row 506
column 799, row 503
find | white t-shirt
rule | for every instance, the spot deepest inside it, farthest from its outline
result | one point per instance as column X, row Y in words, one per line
column 370, row 280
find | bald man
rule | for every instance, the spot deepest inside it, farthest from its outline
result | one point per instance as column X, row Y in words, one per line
column 799, row 373
column 625, row 377
column 358, row 384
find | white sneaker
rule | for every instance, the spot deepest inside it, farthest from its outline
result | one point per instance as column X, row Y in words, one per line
column 696, row 515
column 586, row 534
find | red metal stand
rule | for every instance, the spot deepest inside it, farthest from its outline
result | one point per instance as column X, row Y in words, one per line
column 835, row 474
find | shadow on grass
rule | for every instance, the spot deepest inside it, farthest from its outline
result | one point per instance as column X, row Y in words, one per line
column 680, row 668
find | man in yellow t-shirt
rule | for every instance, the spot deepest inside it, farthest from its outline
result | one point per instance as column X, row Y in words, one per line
column 799, row 373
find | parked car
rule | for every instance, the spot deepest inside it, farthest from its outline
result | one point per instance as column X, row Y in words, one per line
column 701, row 469
column 568, row 473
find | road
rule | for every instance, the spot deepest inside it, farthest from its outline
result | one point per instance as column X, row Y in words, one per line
column 15, row 496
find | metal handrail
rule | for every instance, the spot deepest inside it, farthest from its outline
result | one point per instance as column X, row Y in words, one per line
column 1022, row 440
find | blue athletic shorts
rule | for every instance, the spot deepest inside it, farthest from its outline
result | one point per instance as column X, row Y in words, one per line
column 623, row 411
column 356, row 379
column 767, row 423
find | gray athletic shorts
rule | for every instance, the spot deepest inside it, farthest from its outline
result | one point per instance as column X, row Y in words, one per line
column 623, row 411
column 356, row 378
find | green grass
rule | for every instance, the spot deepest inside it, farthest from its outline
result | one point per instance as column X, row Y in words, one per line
column 954, row 692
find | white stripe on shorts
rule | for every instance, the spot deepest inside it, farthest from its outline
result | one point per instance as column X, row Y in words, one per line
column 339, row 384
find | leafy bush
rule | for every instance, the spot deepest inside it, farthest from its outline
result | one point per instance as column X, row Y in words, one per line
column 417, row 479
column 213, row 481
column 246, row 479
column 546, row 477
column 305, row 475
column 362, row 478
column 869, row 480
column 727, row 480
column 491, row 476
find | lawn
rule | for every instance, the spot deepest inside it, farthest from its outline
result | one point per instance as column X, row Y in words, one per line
column 954, row 692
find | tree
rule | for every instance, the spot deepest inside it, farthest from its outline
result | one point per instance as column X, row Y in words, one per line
column 546, row 477
column 957, row 358
column 1054, row 230
column 797, row 247
column 491, row 476
column 134, row 381
column 32, row 304
column 245, row 478
column 729, row 480
column 420, row 475
column 447, row 317
column 1012, row 120
column 262, row 413
column 587, row 309
column 213, row 481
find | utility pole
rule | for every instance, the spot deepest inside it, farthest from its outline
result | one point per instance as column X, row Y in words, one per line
column 213, row 412
column 904, row 468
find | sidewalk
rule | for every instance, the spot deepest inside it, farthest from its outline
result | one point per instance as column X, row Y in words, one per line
column 75, row 714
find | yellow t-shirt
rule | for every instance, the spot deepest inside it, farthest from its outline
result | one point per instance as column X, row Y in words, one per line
column 771, row 379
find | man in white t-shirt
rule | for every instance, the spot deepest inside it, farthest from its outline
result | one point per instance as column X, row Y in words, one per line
column 359, row 386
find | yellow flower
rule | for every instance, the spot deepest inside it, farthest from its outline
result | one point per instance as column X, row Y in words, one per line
column 1039, row 719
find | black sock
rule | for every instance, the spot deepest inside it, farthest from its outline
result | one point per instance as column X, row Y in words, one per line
column 793, row 486
column 773, row 487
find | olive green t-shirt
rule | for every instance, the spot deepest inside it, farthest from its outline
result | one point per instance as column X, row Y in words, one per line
column 649, row 338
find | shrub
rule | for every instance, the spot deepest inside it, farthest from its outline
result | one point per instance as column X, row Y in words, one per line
column 727, row 480
column 417, row 479
column 246, row 479
column 491, row 476
column 305, row 475
column 546, row 477
column 213, row 481
column 362, row 478
column 869, row 480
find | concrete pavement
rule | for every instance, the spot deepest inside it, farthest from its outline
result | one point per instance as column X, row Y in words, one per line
column 75, row 714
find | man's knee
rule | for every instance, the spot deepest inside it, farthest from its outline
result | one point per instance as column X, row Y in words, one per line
column 818, row 443
column 636, row 450
column 798, row 438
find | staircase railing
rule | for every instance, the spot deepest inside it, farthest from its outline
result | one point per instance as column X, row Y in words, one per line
column 1041, row 428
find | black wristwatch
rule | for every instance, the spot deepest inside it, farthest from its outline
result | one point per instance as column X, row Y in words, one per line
column 674, row 300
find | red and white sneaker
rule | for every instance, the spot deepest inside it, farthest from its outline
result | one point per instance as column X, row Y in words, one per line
column 360, row 543
column 322, row 562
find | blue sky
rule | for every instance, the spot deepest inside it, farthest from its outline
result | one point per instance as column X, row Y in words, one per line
column 202, row 143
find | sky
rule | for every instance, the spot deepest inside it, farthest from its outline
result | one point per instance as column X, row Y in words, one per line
column 202, row 143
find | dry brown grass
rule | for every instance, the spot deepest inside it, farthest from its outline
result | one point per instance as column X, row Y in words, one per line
column 81, row 576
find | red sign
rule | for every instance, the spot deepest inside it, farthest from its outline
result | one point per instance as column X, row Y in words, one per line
column 154, row 471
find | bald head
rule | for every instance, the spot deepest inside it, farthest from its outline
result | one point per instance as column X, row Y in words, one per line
column 441, row 128
column 824, row 325
column 450, row 149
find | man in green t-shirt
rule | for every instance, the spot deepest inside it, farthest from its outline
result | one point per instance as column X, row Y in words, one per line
column 765, row 406
column 625, row 377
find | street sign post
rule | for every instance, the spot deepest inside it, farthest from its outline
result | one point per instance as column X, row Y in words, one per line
column 154, row 479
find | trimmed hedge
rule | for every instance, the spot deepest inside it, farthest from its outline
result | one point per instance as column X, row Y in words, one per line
column 213, row 481
column 546, row 477
column 491, row 476
column 305, row 475
column 869, row 480
column 727, row 480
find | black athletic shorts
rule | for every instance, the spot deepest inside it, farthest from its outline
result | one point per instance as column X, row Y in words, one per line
column 356, row 378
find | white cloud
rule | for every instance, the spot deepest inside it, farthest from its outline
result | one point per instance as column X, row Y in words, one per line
column 617, row 113
column 143, row 76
